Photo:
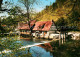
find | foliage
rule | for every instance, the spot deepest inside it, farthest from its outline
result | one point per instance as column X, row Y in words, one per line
column 68, row 49
column 29, row 6
column 73, row 19
column 60, row 2
column 11, row 43
column 1, row 3
column 1, row 28
column 11, row 22
column 28, row 3
column 15, row 11
column 61, row 22
column 64, row 13
column 61, row 8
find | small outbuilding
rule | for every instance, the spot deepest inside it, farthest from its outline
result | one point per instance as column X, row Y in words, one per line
column 25, row 28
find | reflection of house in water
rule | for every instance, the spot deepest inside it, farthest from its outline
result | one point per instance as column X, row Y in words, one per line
column 25, row 28
column 44, row 29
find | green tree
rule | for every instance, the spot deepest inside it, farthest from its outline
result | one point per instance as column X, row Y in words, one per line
column 61, row 22
column 28, row 5
column 1, row 3
column 2, row 30
column 73, row 19
column 11, row 43
column 16, row 10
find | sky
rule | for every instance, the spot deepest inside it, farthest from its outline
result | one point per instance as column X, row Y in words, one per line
column 42, row 4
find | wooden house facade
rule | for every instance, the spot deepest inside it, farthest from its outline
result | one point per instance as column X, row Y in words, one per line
column 25, row 28
column 44, row 29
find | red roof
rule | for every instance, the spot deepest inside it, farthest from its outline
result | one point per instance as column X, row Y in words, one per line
column 47, row 26
column 4, row 25
column 32, row 23
column 43, row 25
column 26, row 26
column 38, row 24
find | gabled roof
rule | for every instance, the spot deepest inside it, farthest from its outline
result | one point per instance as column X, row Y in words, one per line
column 47, row 26
column 43, row 25
column 32, row 22
column 26, row 26
column 38, row 25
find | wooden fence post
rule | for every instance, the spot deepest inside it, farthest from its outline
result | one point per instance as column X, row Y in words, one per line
column 59, row 38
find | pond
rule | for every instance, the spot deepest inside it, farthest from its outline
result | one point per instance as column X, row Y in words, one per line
column 35, row 50
column 32, row 42
column 40, row 48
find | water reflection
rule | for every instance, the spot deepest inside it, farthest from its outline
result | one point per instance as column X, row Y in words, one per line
column 31, row 42
column 36, row 52
column 39, row 52
column 62, row 41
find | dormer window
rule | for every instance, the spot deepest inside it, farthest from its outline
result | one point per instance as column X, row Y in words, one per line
column 41, row 27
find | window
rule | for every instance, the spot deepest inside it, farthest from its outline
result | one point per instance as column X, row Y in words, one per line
column 41, row 27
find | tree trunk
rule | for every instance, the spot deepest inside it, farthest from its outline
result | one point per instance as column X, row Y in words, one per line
column 28, row 16
column 1, row 3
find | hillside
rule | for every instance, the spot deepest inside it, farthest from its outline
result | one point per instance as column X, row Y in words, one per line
column 58, row 9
